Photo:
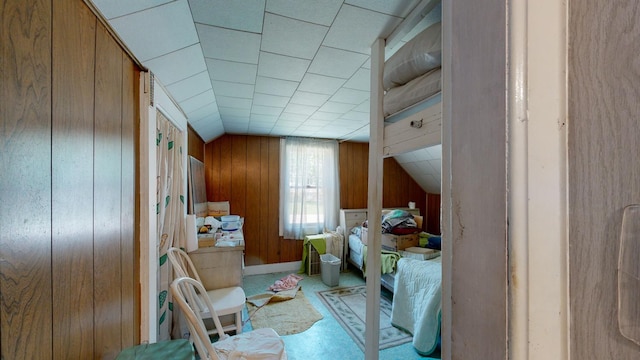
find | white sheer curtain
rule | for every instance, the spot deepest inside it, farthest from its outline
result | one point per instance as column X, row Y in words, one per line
column 310, row 186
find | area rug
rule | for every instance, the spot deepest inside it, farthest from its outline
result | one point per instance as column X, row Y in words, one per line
column 286, row 312
column 348, row 306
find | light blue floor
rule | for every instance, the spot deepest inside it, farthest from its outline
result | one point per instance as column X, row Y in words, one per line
column 326, row 339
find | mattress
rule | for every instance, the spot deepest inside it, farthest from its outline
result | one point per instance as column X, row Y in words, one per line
column 402, row 97
column 356, row 250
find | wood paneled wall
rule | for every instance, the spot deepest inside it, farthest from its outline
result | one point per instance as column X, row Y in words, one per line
column 245, row 170
column 195, row 146
column 398, row 186
column 69, row 257
column 604, row 169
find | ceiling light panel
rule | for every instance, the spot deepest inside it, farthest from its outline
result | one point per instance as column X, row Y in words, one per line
column 230, row 45
column 172, row 25
column 243, row 15
column 291, row 37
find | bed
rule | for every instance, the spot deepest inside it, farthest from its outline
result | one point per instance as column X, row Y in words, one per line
column 411, row 81
column 406, row 115
column 417, row 301
column 358, row 255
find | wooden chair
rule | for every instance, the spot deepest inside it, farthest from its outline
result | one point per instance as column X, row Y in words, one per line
column 257, row 344
column 226, row 301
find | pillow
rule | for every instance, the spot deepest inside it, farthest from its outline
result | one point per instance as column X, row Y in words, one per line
column 416, row 57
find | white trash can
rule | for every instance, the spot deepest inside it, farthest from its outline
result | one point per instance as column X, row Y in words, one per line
column 330, row 269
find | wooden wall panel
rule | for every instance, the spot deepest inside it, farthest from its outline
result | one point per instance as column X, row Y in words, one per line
column 72, row 180
column 604, row 168
column 129, row 256
column 25, row 155
column 108, row 191
column 195, row 145
column 68, row 185
column 252, row 185
column 432, row 220
column 273, row 218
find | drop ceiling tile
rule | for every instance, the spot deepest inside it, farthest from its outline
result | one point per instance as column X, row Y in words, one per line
column 190, row 87
column 361, row 80
column 276, row 131
column 402, row 158
column 177, row 32
column 235, row 120
column 318, row 12
column 320, row 84
column 230, row 45
column 350, row 96
column 287, row 116
column 225, row 88
column 232, row 71
column 355, row 115
column 233, row 109
column 115, row 8
column 336, row 62
column 288, row 124
column 261, row 118
column 331, row 106
column 270, row 100
column 177, row 65
column 282, row 67
column 265, row 85
column 326, row 116
column 286, row 36
column 436, row 164
column 364, row 107
column 226, row 104
column 266, row 110
column 205, row 112
column 435, row 151
column 300, row 109
column 198, row 101
column 244, row 15
column 371, row 25
column 307, row 98
column 399, row 8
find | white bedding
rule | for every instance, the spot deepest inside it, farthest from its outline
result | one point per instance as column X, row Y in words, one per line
column 416, row 90
column 417, row 301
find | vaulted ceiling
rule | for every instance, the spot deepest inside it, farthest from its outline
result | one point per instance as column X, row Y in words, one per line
column 266, row 67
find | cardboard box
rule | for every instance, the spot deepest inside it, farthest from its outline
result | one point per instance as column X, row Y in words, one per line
column 218, row 208
column 394, row 242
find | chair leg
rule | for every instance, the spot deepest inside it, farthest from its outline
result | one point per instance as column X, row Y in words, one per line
column 239, row 322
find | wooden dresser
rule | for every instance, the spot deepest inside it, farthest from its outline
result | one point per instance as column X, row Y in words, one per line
column 219, row 267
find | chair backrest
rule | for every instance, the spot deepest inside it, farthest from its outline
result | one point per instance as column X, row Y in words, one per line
column 190, row 294
column 182, row 264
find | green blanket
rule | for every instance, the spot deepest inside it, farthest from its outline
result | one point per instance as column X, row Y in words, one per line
column 388, row 260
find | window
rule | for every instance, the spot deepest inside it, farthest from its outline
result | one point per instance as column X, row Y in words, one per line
column 309, row 194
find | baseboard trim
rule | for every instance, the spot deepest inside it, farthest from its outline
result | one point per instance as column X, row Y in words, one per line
column 272, row 268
